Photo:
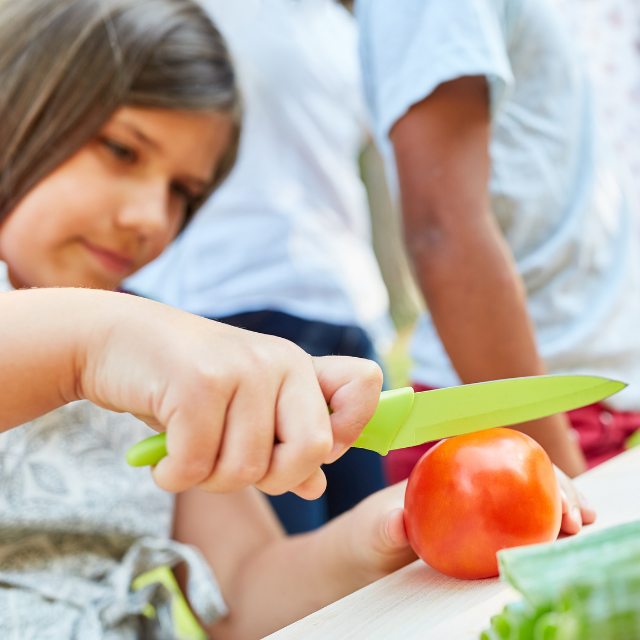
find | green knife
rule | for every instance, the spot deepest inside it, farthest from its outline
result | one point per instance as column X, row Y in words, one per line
column 405, row 419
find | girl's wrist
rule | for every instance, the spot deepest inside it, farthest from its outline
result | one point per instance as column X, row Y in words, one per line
column 104, row 314
column 75, row 340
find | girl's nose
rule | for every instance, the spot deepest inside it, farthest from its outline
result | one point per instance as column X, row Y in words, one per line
column 146, row 208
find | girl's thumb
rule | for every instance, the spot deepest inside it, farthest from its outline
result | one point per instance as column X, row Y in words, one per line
column 394, row 533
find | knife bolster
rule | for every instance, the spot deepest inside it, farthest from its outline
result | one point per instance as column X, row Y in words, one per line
column 393, row 408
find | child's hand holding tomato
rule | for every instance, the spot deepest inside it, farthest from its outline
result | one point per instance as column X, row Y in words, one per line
column 369, row 541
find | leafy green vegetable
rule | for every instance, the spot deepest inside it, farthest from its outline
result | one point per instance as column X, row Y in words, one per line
column 582, row 588
column 541, row 572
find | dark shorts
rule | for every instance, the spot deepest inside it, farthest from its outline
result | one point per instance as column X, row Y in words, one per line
column 601, row 432
column 358, row 473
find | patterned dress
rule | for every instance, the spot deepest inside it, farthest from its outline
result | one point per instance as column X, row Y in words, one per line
column 77, row 525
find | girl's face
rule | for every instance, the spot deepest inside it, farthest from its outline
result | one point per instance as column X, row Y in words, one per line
column 115, row 204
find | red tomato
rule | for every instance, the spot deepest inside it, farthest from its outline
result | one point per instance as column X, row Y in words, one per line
column 470, row 496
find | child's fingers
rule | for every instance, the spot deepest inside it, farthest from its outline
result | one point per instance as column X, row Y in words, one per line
column 378, row 532
column 194, row 432
column 571, row 521
column 313, row 487
column 259, row 414
column 394, row 529
column 588, row 512
column 303, row 431
column 247, row 441
column 571, row 518
column 265, row 422
column 390, row 531
column 576, row 510
column 352, row 387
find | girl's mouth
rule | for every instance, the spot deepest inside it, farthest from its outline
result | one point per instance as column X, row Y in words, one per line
column 114, row 261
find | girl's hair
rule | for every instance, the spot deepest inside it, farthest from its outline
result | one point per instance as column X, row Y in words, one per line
column 67, row 65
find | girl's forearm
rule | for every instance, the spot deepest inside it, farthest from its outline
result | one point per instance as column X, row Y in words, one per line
column 44, row 333
column 286, row 579
column 290, row 578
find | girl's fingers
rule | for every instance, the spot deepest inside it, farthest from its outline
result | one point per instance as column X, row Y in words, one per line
column 571, row 516
column 352, row 388
column 377, row 533
column 313, row 487
column 588, row 512
column 303, row 432
column 386, row 506
column 576, row 510
column 394, row 529
column 194, row 433
column 247, row 442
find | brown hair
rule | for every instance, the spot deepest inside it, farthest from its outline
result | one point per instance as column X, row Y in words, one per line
column 66, row 65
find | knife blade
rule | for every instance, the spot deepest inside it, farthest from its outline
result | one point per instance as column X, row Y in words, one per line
column 405, row 419
column 454, row 411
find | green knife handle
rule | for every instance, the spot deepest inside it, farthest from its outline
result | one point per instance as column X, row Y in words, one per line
column 393, row 408
column 148, row 452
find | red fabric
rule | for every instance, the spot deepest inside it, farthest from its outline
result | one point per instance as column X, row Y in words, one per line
column 601, row 433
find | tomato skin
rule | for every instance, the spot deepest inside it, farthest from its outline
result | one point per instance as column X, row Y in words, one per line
column 472, row 495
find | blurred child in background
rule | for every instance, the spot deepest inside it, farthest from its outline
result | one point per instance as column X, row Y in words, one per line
column 520, row 231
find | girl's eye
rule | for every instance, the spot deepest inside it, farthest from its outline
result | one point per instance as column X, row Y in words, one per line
column 120, row 151
column 189, row 198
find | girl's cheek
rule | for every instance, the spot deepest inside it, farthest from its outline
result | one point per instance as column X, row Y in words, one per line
column 23, row 266
column 160, row 244
column 11, row 245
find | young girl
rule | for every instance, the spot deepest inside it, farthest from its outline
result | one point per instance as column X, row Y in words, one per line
column 117, row 117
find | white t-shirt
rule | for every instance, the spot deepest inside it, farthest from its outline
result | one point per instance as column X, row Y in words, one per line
column 553, row 190
column 289, row 230
column 5, row 285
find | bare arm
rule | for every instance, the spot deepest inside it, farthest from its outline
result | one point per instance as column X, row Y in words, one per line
column 463, row 264
column 239, row 408
column 44, row 336
column 269, row 580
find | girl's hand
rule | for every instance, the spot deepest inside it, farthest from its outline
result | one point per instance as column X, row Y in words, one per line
column 376, row 538
column 239, row 408
column 576, row 510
